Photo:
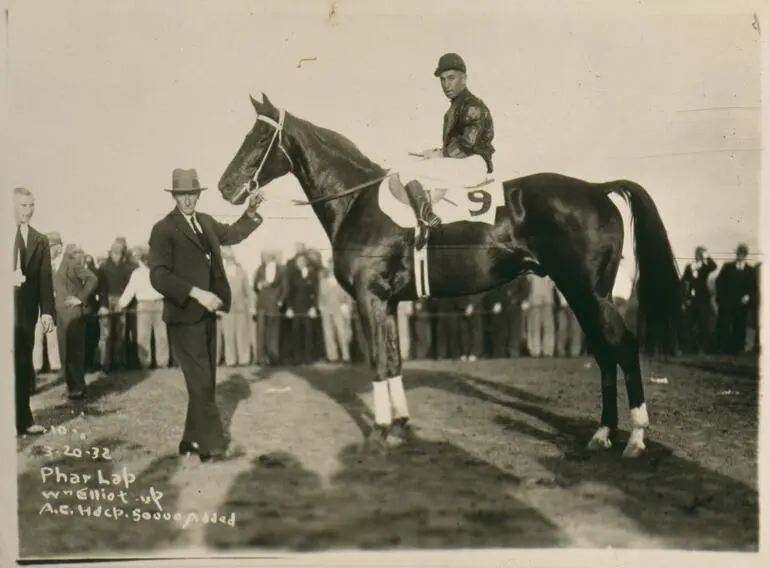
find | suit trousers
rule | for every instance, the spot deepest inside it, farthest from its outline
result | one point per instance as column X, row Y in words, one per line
column 447, row 336
column 112, row 341
column 540, row 331
column 302, row 344
column 48, row 343
column 498, row 335
column 234, row 338
column 71, row 329
column 423, row 336
column 569, row 335
column 149, row 323
column 195, row 347
column 268, row 338
column 336, row 330
column 471, row 335
column 404, row 332
column 24, row 375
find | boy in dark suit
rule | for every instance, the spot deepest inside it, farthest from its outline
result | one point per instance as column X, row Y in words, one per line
column 74, row 285
column 32, row 295
column 186, row 267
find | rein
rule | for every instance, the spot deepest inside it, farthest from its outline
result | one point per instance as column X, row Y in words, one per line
column 354, row 189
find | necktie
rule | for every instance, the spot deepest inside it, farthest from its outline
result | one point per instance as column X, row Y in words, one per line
column 198, row 231
column 20, row 251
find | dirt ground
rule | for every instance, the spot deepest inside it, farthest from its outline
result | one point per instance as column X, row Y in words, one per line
column 499, row 462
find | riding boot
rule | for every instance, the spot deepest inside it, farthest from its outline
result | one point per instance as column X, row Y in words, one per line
column 423, row 209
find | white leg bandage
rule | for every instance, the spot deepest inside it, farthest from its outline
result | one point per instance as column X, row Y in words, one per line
column 382, row 411
column 398, row 397
column 639, row 418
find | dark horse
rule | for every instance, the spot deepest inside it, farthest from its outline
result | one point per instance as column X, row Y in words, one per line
column 551, row 224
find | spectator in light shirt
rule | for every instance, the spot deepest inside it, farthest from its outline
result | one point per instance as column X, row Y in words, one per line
column 149, row 307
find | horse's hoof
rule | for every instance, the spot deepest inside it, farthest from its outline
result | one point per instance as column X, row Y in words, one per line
column 633, row 450
column 635, row 446
column 400, row 432
column 377, row 441
column 601, row 440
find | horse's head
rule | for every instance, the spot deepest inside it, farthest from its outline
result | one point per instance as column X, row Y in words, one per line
column 261, row 158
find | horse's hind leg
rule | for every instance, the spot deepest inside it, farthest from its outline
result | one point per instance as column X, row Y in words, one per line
column 618, row 345
column 628, row 358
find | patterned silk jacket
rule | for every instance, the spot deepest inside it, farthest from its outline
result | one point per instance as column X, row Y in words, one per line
column 468, row 129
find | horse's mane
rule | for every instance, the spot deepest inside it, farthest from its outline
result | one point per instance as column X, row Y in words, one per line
column 342, row 148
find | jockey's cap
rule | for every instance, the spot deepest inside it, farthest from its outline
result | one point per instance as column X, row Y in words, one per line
column 449, row 62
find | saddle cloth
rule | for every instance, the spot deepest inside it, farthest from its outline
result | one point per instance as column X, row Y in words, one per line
column 458, row 188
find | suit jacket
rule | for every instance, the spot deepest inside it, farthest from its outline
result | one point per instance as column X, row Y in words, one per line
column 301, row 293
column 35, row 295
column 73, row 279
column 732, row 284
column 695, row 281
column 270, row 295
column 469, row 129
column 178, row 262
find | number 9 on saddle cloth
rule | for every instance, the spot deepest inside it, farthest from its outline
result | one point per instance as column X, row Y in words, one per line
column 460, row 189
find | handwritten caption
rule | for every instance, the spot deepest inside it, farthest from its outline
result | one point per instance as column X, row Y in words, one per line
column 107, row 492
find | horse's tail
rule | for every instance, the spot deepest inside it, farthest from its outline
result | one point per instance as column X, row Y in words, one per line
column 657, row 282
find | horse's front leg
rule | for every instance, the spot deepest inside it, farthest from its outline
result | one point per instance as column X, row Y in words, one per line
column 378, row 322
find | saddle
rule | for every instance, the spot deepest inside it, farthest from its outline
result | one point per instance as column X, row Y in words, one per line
column 435, row 194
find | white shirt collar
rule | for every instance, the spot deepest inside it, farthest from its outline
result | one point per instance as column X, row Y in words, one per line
column 24, row 227
column 56, row 262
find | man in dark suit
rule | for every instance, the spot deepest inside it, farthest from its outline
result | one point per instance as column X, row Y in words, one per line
column 269, row 289
column 697, row 301
column 74, row 285
column 32, row 295
column 736, row 293
column 186, row 267
column 301, row 308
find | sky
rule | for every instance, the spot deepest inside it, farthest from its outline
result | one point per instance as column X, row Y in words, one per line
column 104, row 100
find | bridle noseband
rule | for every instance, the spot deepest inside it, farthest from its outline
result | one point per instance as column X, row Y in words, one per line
column 277, row 135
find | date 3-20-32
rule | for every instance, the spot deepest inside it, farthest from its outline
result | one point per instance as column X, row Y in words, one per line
column 95, row 453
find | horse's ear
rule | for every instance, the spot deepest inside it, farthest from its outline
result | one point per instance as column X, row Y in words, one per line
column 267, row 102
column 256, row 104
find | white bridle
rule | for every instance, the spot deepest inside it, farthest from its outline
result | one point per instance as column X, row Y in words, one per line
column 253, row 185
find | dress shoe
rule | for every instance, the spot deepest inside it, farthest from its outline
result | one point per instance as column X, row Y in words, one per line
column 34, row 430
column 76, row 395
column 221, row 456
column 187, row 448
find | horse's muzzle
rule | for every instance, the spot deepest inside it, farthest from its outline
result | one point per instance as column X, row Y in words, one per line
column 245, row 191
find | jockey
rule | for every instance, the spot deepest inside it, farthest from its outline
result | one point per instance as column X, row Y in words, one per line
column 465, row 158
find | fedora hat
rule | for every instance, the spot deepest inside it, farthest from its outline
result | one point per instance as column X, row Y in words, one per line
column 185, row 180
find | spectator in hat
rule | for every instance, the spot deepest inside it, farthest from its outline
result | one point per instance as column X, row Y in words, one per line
column 186, row 267
column 698, row 313
column 736, row 294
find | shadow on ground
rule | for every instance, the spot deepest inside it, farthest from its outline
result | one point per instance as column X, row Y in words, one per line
column 422, row 495
column 673, row 498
